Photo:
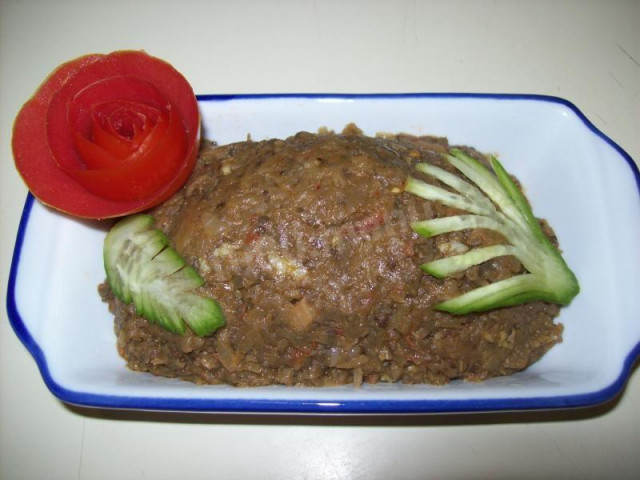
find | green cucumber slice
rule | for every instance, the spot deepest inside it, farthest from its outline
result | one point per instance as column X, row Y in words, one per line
column 494, row 202
column 143, row 270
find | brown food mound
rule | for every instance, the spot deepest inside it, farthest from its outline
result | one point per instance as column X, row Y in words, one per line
column 306, row 244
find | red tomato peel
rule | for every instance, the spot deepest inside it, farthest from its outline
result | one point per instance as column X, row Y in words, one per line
column 108, row 135
column 107, row 126
column 93, row 156
column 138, row 174
column 108, row 131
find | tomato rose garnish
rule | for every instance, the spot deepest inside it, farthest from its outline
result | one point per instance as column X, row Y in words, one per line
column 108, row 135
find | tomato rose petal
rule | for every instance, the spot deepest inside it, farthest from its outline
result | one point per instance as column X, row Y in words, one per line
column 105, row 137
column 95, row 157
column 106, row 117
column 138, row 175
column 72, row 106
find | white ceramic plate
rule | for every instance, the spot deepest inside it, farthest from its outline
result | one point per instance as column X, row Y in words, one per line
column 576, row 177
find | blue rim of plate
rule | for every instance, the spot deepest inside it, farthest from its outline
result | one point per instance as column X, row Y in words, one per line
column 243, row 405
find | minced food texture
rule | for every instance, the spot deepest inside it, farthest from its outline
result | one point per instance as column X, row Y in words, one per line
column 306, row 244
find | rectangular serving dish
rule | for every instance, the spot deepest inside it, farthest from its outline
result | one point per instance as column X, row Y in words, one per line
column 575, row 176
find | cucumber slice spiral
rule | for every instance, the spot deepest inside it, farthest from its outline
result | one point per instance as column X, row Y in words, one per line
column 548, row 276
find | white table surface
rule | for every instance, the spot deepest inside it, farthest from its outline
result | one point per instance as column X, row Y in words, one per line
column 587, row 52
